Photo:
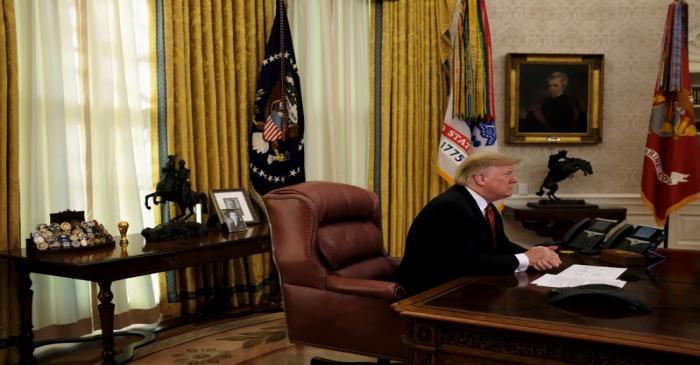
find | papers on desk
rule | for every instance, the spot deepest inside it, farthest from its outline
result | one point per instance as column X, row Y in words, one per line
column 577, row 275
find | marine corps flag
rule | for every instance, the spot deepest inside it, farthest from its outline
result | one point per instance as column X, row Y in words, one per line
column 277, row 130
column 470, row 116
column 671, row 171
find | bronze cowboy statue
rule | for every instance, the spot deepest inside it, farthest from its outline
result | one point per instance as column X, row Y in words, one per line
column 174, row 186
column 562, row 167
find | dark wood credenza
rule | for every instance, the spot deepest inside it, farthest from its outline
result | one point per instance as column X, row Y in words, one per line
column 503, row 319
column 554, row 222
column 106, row 265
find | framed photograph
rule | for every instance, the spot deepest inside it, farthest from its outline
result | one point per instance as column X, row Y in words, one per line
column 554, row 98
column 227, row 200
column 234, row 220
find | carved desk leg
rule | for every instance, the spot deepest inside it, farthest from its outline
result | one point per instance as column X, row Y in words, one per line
column 25, row 296
column 106, row 309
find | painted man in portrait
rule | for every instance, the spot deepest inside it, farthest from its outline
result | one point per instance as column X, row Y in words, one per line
column 556, row 111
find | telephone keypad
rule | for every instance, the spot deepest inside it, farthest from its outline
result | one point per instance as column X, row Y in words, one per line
column 587, row 240
column 634, row 245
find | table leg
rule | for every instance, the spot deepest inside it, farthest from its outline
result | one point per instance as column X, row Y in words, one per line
column 106, row 309
column 26, row 338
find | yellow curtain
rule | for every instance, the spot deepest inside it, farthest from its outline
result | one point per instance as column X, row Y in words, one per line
column 413, row 96
column 9, row 183
column 213, row 50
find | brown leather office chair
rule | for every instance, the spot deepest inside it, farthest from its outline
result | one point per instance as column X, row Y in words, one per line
column 337, row 282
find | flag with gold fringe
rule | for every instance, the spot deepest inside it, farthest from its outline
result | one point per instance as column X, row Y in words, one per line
column 469, row 121
column 277, row 131
column 671, row 170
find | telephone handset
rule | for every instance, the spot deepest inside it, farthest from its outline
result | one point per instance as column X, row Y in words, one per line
column 588, row 234
column 575, row 229
column 617, row 237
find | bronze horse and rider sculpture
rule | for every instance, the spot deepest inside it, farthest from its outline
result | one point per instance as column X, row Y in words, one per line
column 174, row 186
column 561, row 167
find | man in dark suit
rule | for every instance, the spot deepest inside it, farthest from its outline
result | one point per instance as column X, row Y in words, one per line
column 453, row 236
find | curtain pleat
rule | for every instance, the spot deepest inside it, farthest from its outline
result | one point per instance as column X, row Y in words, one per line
column 9, row 183
column 413, row 94
column 332, row 53
column 213, row 52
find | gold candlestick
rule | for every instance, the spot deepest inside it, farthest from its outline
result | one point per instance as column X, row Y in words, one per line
column 123, row 227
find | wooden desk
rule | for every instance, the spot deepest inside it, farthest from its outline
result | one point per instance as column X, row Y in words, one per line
column 554, row 222
column 493, row 320
column 104, row 266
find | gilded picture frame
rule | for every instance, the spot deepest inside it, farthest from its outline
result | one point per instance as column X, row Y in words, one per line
column 225, row 200
column 554, row 98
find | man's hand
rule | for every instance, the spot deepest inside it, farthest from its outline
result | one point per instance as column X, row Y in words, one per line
column 543, row 257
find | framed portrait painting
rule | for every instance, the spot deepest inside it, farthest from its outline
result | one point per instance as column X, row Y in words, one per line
column 232, row 206
column 554, row 98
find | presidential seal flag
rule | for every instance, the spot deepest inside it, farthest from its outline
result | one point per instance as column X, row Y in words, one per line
column 671, row 171
column 470, row 116
column 277, row 130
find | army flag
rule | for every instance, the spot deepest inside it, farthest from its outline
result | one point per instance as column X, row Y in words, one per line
column 469, row 122
column 277, row 131
column 671, row 170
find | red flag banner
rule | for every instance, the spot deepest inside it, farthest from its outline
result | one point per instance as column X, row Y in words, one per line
column 671, row 171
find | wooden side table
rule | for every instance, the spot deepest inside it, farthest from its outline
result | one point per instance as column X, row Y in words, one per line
column 554, row 222
column 104, row 266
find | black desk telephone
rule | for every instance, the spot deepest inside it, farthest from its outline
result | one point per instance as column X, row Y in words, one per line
column 589, row 236
column 588, row 233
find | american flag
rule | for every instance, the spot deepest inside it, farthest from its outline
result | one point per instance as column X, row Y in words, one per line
column 273, row 128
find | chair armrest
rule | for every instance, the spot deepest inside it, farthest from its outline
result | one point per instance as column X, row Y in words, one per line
column 365, row 287
column 394, row 261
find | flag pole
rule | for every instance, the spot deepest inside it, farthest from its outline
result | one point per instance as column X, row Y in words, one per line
column 283, row 70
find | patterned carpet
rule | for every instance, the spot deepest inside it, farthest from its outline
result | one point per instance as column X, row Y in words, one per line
column 228, row 343
column 256, row 340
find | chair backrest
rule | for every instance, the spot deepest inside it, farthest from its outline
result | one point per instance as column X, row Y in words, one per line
column 339, row 227
column 327, row 245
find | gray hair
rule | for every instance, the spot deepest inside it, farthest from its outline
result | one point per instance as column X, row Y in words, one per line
column 480, row 161
column 558, row 75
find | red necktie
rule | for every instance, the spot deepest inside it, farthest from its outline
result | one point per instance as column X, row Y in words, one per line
column 491, row 218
